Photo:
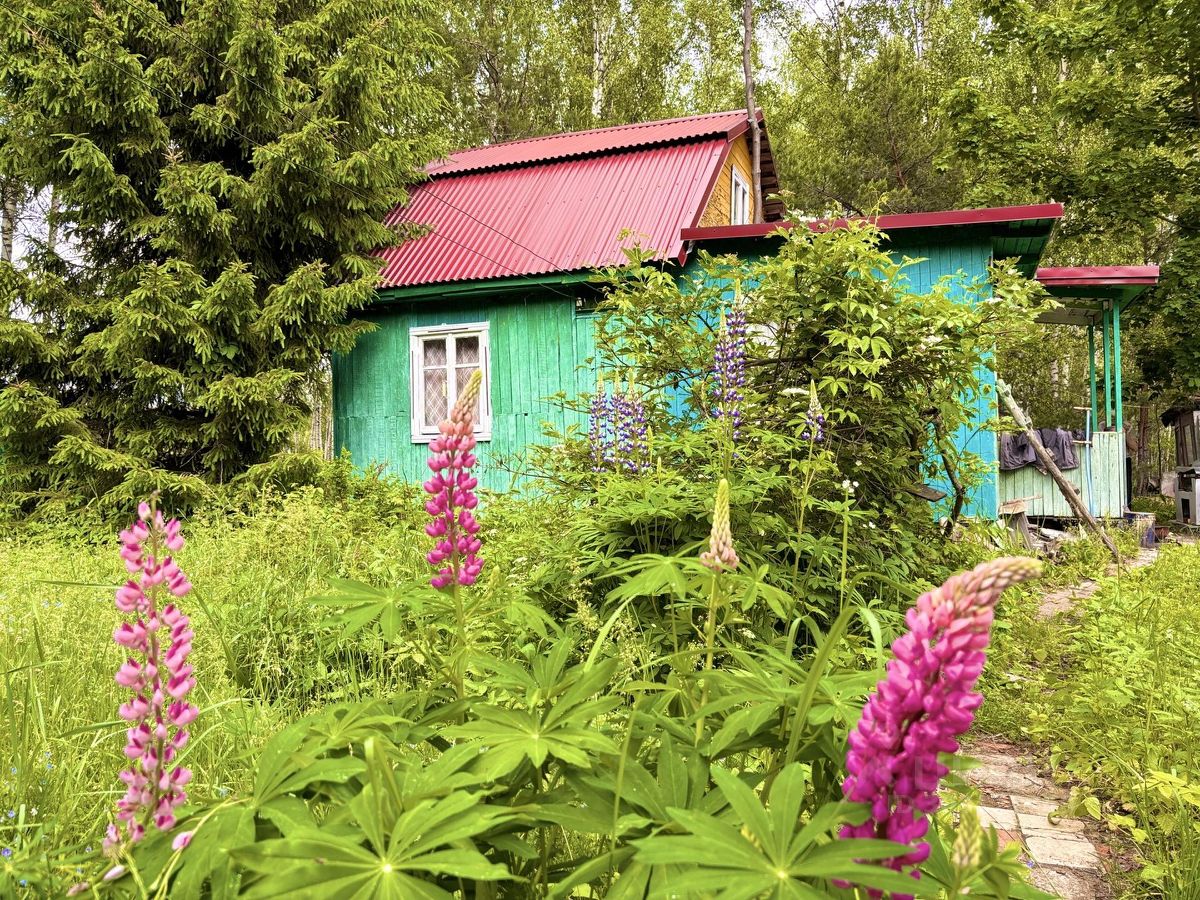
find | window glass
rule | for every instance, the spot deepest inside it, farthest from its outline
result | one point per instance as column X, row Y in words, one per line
column 739, row 213
column 443, row 362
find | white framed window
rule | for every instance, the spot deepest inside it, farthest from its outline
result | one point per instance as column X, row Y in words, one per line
column 441, row 361
column 739, row 200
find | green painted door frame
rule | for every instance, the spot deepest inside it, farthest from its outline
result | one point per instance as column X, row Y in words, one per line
column 1108, row 395
column 1092, row 376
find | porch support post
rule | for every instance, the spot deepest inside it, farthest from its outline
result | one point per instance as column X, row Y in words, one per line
column 1108, row 394
column 1092, row 377
column 1117, row 366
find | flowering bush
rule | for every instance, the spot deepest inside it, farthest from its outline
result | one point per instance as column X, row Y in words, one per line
column 923, row 705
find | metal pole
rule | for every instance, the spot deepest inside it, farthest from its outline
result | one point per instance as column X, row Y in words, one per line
column 1108, row 397
column 1116, row 326
column 1092, row 377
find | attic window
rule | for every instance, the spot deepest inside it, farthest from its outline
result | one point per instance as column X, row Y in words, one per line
column 739, row 200
column 442, row 359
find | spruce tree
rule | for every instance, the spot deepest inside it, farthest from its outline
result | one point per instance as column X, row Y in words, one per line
column 221, row 170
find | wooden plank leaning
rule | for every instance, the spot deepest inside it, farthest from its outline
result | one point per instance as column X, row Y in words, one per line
column 1043, row 455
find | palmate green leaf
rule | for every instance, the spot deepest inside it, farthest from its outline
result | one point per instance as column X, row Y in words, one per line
column 515, row 736
column 759, row 848
column 364, row 604
column 315, row 864
column 426, row 839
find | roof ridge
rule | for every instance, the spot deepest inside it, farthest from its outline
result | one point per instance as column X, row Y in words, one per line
column 625, row 127
column 576, row 144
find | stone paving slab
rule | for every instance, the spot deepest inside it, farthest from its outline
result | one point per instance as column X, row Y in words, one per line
column 1062, row 852
column 1067, row 885
column 1029, row 823
column 1000, row 819
column 1033, row 806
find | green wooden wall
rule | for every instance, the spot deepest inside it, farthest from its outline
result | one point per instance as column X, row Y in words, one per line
column 1100, row 478
column 538, row 347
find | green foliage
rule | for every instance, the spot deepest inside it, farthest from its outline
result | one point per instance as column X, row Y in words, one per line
column 542, row 66
column 1112, row 694
column 222, row 173
column 897, row 374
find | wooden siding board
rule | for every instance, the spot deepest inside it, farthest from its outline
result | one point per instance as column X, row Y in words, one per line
column 1104, row 460
column 965, row 258
column 718, row 206
column 533, row 344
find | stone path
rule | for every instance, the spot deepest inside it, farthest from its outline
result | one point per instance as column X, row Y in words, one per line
column 1064, row 599
column 1019, row 802
column 1064, row 854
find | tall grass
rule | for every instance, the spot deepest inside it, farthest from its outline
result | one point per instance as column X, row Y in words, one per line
column 1114, row 692
column 261, row 657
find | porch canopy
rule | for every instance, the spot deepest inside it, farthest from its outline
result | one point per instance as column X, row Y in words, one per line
column 1091, row 296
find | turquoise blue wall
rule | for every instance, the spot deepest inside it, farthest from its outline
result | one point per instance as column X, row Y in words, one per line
column 538, row 342
column 971, row 256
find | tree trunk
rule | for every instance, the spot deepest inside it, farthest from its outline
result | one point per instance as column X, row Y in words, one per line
column 597, row 67
column 52, row 223
column 1067, row 489
column 751, row 107
column 8, row 228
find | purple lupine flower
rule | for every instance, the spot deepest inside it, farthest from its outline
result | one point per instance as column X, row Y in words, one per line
column 637, row 443
column 159, row 640
column 599, row 433
column 923, row 704
column 624, row 430
column 730, row 368
column 452, row 490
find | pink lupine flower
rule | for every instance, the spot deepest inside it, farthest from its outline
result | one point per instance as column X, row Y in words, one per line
column 159, row 641
column 720, row 553
column 452, row 494
column 926, row 701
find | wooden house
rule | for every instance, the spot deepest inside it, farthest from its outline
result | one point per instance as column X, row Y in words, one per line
column 515, row 231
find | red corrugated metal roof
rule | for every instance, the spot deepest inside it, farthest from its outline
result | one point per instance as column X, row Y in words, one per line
column 1097, row 276
column 585, row 143
column 996, row 215
column 562, row 203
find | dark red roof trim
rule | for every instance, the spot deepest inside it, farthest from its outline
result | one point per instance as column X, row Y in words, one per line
column 954, row 217
column 1097, row 276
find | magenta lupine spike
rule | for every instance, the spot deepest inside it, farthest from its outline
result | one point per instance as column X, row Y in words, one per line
column 159, row 641
column 923, row 704
column 452, row 490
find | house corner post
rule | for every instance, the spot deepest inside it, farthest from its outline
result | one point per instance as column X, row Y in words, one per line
column 1095, row 399
column 1117, row 394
